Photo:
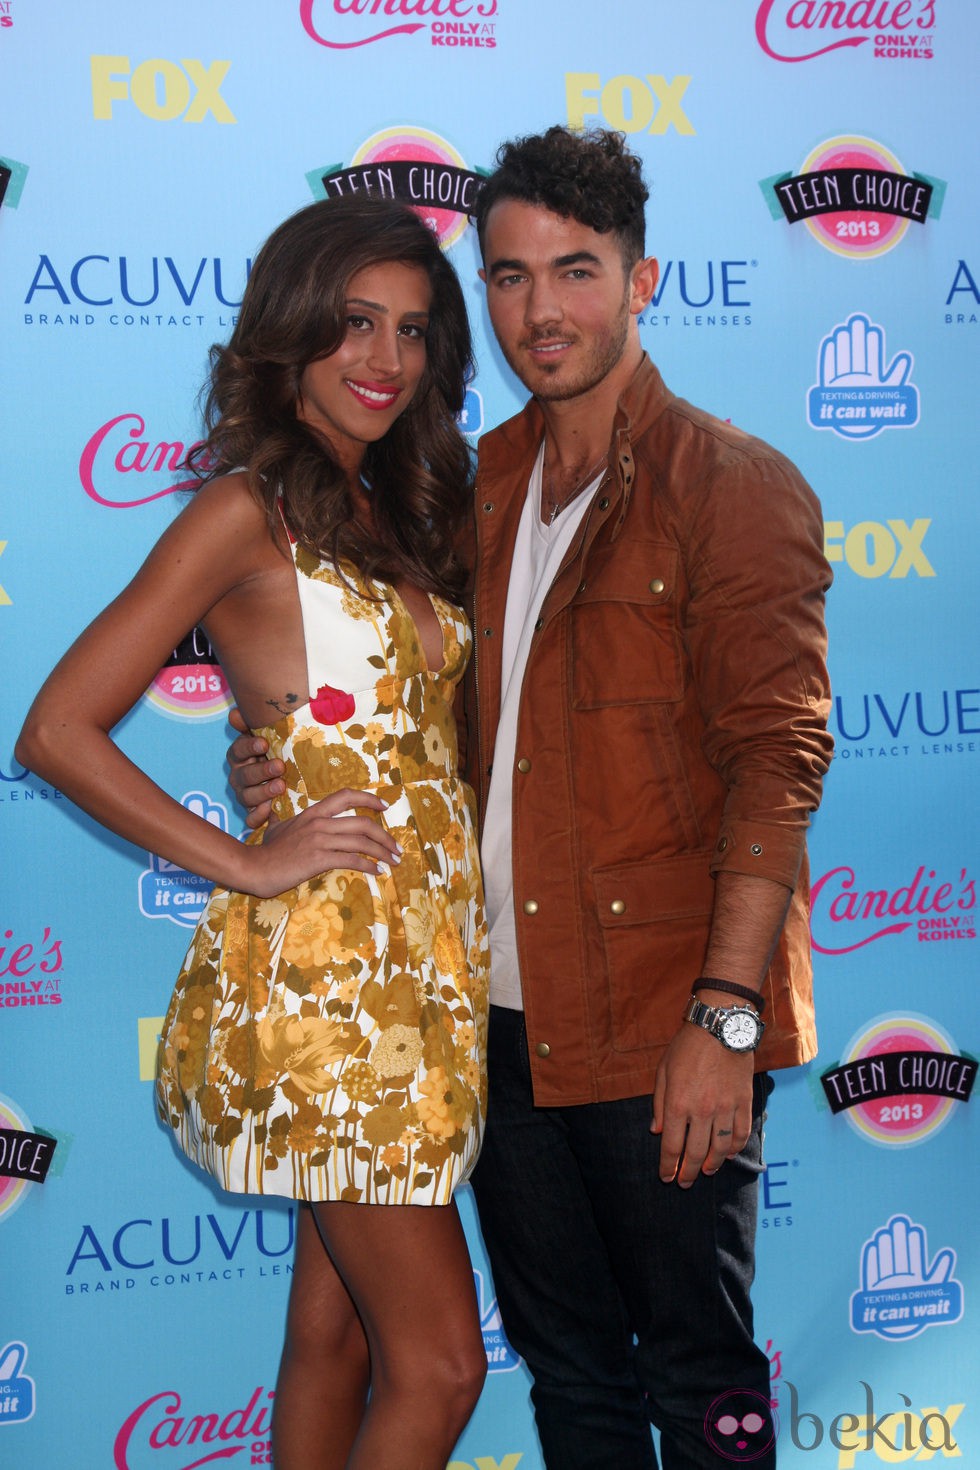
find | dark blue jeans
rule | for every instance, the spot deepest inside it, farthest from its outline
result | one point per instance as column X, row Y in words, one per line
column 627, row 1298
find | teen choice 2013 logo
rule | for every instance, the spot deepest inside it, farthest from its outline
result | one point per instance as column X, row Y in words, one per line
column 899, row 1080
column 414, row 165
column 854, row 196
column 12, row 1187
column 191, row 685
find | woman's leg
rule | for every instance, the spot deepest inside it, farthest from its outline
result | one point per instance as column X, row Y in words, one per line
column 408, row 1273
column 325, row 1367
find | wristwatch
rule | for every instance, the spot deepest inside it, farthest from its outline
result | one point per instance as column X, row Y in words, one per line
column 738, row 1028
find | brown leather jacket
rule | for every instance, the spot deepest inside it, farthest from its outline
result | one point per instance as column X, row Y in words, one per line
column 672, row 725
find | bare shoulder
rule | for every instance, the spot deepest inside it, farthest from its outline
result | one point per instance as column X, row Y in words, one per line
column 229, row 502
column 225, row 524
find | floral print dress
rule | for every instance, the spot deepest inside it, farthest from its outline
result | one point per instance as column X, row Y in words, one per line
column 329, row 1044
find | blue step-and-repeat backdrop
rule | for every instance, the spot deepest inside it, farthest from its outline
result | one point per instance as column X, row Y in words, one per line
column 815, row 209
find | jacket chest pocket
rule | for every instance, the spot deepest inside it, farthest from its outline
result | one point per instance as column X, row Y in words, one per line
column 625, row 644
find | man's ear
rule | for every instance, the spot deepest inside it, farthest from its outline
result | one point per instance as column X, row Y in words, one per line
column 482, row 274
column 643, row 282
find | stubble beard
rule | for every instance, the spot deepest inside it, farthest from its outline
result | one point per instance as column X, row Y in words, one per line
column 557, row 384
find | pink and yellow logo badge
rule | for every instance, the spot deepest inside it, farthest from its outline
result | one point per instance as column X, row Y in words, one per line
column 12, row 1186
column 191, row 685
column 414, row 165
column 899, row 1080
column 854, row 196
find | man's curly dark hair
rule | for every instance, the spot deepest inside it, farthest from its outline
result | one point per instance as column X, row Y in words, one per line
column 587, row 176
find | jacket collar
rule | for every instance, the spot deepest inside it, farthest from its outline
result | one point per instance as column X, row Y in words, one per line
column 506, row 452
column 507, row 449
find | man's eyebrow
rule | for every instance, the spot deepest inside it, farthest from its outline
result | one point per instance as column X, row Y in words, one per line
column 560, row 262
column 577, row 257
column 506, row 264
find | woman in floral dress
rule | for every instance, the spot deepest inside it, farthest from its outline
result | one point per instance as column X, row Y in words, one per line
column 326, row 1036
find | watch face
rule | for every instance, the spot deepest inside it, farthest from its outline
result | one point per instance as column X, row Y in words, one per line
column 740, row 1032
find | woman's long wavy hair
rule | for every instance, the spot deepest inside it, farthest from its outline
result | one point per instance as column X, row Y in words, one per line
column 294, row 312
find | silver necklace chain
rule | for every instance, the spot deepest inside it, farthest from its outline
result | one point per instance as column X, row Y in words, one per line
column 556, row 506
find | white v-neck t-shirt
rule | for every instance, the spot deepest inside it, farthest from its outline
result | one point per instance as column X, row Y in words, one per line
column 538, row 553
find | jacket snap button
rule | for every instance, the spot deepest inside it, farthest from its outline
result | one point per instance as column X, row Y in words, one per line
column 488, row 506
column 488, row 632
column 539, row 624
column 756, row 849
column 722, row 844
column 604, row 503
column 581, row 586
column 530, row 905
column 542, row 1049
column 523, row 765
column 617, row 906
column 657, row 584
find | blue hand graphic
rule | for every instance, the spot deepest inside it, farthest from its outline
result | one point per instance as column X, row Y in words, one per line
column 14, row 1357
column 901, row 1293
column 895, row 1258
column 167, row 891
column 857, row 395
column 201, row 805
column 16, row 1388
column 852, row 356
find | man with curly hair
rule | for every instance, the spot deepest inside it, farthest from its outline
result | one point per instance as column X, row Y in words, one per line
column 647, row 738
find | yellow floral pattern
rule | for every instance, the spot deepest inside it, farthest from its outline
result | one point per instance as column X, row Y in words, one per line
column 330, row 1043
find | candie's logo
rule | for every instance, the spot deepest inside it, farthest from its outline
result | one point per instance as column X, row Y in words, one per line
column 162, row 1422
column 846, row 915
column 343, row 25
column 899, row 1080
column 854, row 197
column 801, row 30
column 411, row 164
column 121, row 466
column 30, row 971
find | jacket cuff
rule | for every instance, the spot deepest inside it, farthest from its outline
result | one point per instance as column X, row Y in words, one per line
column 760, row 850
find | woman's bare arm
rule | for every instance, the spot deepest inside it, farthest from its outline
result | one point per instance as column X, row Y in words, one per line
column 217, row 544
